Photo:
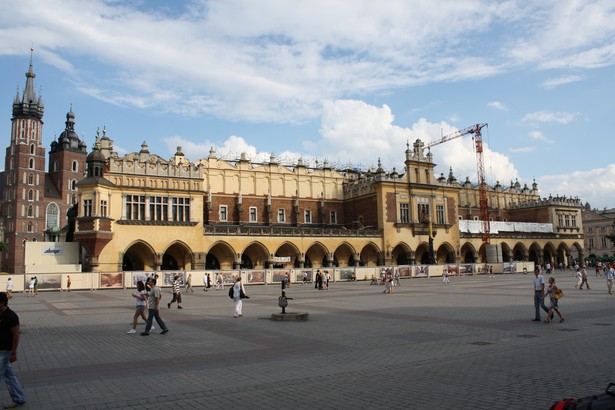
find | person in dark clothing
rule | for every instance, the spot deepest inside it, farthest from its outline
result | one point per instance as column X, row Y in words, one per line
column 9, row 341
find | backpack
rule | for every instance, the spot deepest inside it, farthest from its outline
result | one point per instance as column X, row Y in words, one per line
column 231, row 292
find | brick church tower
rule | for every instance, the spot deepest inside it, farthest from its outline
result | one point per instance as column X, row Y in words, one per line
column 34, row 202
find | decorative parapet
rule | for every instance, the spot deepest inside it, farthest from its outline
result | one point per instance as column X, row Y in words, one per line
column 244, row 230
column 550, row 201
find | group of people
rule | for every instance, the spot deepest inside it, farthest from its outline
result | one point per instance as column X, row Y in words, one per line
column 33, row 286
column 541, row 292
column 148, row 297
column 321, row 281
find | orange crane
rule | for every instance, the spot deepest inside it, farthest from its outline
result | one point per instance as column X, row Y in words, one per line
column 475, row 130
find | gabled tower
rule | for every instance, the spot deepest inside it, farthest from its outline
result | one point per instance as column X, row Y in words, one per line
column 24, row 176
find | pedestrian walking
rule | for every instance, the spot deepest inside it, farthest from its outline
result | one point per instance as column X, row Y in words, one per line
column 153, row 311
column 388, row 286
column 219, row 282
column 9, row 288
column 305, row 278
column 445, row 276
column 177, row 294
column 68, row 283
column 9, row 342
column 239, row 293
column 555, row 294
column 140, row 305
column 539, row 291
column 396, row 276
column 583, row 278
column 205, row 282
column 610, row 277
column 579, row 278
column 189, row 283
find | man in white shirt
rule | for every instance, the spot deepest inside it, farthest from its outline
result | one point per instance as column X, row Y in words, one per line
column 539, row 292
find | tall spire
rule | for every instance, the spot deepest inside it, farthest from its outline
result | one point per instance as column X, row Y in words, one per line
column 30, row 105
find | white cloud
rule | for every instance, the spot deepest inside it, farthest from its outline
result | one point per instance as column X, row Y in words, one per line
column 596, row 186
column 557, row 117
column 523, row 150
column 218, row 58
column 498, row 105
column 556, row 82
column 538, row 135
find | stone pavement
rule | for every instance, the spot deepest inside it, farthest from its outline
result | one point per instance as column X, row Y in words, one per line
column 470, row 344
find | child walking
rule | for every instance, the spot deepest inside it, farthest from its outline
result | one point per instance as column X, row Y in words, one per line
column 552, row 291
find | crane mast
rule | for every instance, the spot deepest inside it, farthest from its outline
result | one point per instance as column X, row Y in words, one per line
column 475, row 130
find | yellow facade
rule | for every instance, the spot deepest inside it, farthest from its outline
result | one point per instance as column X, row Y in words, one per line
column 148, row 213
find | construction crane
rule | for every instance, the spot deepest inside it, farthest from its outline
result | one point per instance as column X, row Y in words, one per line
column 475, row 130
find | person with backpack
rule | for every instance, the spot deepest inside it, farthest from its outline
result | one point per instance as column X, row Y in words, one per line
column 238, row 293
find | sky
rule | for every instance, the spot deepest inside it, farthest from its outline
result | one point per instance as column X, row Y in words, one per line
column 351, row 82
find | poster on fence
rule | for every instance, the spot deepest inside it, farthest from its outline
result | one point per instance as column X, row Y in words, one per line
column 111, row 280
column 255, row 276
column 49, row 281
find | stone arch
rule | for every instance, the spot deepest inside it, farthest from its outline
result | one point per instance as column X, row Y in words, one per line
column 563, row 255
column 422, row 254
column 344, row 255
column 177, row 256
column 254, row 256
column 468, row 253
column 535, row 253
column 369, row 255
column 317, row 256
column 445, row 254
column 290, row 249
column 549, row 254
column 220, row 256
column 402, row 254
column 139, row 256
column 507, row 255
column 520, row 252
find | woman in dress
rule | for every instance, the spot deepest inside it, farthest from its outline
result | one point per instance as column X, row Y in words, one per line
column 552, row 291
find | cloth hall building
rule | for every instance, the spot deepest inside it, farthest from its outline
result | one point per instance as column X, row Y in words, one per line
column 142, row 212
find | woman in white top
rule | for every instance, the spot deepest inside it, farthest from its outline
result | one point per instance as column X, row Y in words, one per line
column 140, row 305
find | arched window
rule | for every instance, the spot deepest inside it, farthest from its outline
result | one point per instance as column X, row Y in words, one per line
column 73, row 184
column 51, row 219
column 30, row 211
column 31, row 195
column 32, row 149
column 75, row 166
column 29, row 226
column 31, row 163
column 31, row 179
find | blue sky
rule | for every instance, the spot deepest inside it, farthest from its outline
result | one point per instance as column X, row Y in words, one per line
column 346, row 81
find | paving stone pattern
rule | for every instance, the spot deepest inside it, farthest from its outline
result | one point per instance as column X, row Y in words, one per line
column 469, row 344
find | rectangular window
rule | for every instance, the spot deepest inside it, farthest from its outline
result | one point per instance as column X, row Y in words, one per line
column 253, row 214
column 135, row 207
column 440, row 215
column 223, row 213
column 281, row 215
column 333, row 218
column 591, row 243
column 158, row 208
column 87, row 207
column 567, row 221
column 560, row 220
column 180, row 209
column 603, row 242
column 404, row 213
column 307, row 216
column 573, row 220
column 423, row 212
column 590, row 230
column 103, row 208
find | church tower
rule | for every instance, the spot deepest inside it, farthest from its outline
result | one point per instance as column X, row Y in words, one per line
column 24, row 176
